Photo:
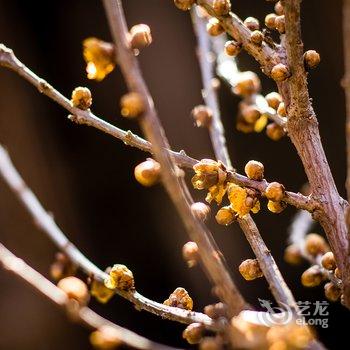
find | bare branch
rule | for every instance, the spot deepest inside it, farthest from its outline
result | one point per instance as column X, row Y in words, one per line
column 85, row 315
column 268, row 265
column 210, row 255
column 264, row 54
column 9, row 60
column 303, row 131
column 46, row 223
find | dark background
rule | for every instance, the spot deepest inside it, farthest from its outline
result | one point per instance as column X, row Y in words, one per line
column 86, row 178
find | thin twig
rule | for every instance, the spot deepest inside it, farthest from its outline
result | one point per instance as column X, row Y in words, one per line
column 84, row 314
column 207, row 67
column 9, row 60
column 46, row 223
column 233, row 25
column 278, row 287
column 303, row 131
column 210, row 255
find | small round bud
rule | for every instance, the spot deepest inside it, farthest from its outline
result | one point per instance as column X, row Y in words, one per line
column 184, row 5
column 194, row 333
column 276, row 207
column 270, row 21
column 225, row 216
column 62, row 267
column 312, row 277
column 254, row 170
column 256, row 37
column 180, row 298
column 210, row 343
column 247, row 84
column 99, row 57
column 337, row 273
column 281, row 110
column 148, row 172
column 200, row 210
column 279, row 8
column 280, row 24
column 215, row 311
column 75, row 289
column 250, row 269
column 105, row 338
column 315, row 244
column 280, row 72
column 81, row 98
column 332, row 292
column 328, row 261
column 292, row 255
column 214, row 28
column 140, row 36
column 250, row 113
column 120, row 277
column 202, row 115
column 132, row 105
column 312, row 58
column 190, row 253
column 232, row 48
column 274, row 192
column 273, row 99
column 251, row 23
column 274, row 131
column 100, row 292
column 222, row 7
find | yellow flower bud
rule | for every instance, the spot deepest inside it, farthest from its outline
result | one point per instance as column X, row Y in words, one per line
column 81, row 98
column 180, row 298
column 75, row 289
column 120, row 277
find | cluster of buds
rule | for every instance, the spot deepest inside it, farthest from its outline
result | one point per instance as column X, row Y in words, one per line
column 62, row 267
column 105, row 338
column 243, row 200
column 256, row 36
column 75, row 289
column 276, row 20
column 250, row 116
column 316, row 248
column 275, row 193
column 100, row 58
column 180, row 298
column 210, row 175
column 273, row 130
column 256, row 335
column 120, row 277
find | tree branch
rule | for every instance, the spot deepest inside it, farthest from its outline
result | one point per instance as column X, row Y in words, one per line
column 278, row 287
column 210, row 255
column 9, row 60
column 303, row 131
column 84, row 314
column 46, row 223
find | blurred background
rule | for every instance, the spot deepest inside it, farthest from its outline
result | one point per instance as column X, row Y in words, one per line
column 85, row 178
